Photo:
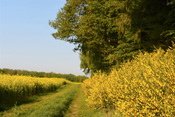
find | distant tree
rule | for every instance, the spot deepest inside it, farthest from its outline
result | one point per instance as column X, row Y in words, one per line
column 70, row 77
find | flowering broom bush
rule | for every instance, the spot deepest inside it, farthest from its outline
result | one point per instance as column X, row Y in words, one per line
column 142, row 87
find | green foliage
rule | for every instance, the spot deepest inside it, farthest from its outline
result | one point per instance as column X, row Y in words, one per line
column 149, row 22
column 69, row 77
column 109, row 32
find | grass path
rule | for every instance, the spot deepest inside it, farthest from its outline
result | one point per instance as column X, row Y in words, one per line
column 68, row 101
column 75, row 105
column 52, row 104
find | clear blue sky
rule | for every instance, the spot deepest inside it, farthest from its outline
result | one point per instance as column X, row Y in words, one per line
column 26, row 41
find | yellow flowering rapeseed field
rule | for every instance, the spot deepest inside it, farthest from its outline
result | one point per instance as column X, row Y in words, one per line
column 16, row 87
column 142, row 87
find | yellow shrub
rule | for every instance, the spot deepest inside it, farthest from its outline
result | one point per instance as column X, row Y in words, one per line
column 142, row 87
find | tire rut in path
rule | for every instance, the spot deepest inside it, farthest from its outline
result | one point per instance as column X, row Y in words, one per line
column 74, row 107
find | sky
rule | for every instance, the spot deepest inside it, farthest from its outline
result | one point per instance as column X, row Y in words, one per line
column 26, row 42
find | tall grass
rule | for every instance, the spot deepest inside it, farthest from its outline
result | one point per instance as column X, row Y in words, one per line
column 14, row 88
column 142, row 87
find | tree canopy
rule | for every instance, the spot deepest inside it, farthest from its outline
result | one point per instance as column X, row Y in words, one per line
column 109, row 32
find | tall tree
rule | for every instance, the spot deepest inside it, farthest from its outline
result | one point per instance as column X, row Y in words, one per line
column 108, row 32
column 92, row 26
column 150, row 19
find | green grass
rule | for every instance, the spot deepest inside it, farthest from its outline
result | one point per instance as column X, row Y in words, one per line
column 52, row 104
column 67, row 101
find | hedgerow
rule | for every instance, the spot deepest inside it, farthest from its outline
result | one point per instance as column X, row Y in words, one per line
column 142, row 87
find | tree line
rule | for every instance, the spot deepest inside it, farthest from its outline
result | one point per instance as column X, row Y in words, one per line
column 69, row 77
column 110, row 32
